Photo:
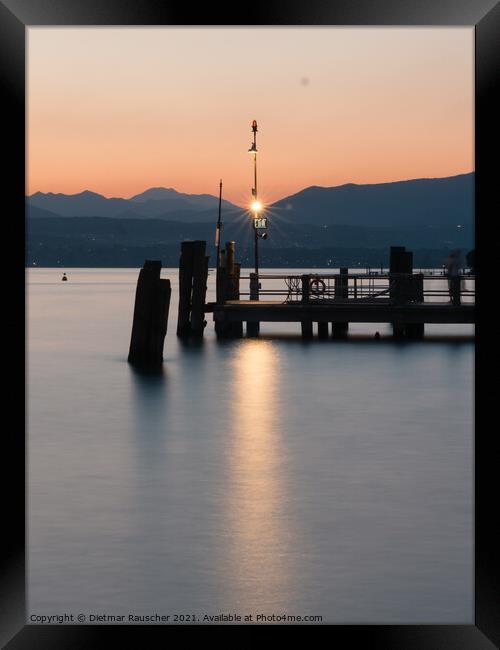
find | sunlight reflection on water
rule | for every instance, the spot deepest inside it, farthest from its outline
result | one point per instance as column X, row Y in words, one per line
column 332, row 478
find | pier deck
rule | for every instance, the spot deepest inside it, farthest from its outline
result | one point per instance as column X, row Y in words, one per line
column 407, row 301
column 398, row 296
column 376, row 312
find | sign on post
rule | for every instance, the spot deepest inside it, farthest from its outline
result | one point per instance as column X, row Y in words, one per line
column 260, row 223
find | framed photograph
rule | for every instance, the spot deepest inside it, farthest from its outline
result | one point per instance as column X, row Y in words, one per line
column 244, row 285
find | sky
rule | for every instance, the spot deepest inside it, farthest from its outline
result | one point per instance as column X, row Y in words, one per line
column 119, row 110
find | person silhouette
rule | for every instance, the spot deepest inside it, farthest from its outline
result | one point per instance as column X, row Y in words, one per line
column 64, row 278
column 453, row 267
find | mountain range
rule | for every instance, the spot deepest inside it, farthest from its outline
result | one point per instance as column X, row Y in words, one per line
column 156, row 202
column 432, row 201
column 436, row 201
column 346, row 225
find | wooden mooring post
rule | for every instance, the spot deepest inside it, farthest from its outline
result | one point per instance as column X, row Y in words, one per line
column 149, row 327
column 405, row 287
column 200, row 276
column 193, row 274
column 228, row 282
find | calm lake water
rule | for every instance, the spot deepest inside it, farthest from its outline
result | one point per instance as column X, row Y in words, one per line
column 269, row 476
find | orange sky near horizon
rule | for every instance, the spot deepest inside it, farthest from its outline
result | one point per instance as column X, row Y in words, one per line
column 119, row 110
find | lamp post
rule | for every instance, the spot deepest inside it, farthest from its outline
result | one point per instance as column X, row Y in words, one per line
column 256, row 206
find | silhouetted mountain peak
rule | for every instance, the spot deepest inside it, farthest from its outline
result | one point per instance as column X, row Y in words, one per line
column 89, row 193
column 85, row 194
column 155, row 194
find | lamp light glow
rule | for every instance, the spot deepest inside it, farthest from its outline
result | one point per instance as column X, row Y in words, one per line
column 256, row 206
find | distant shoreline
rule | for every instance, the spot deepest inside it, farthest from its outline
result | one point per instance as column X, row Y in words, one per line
column 245, row 269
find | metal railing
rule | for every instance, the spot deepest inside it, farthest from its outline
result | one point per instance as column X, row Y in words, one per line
column 361, row 287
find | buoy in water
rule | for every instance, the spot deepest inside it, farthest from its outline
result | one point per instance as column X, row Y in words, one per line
column 64, row 278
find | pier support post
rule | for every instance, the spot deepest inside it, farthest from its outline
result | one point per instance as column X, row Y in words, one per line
column 306, row 325
column 236, row 328
column 322, row 330
column 253, row 328
column 398, row 330
column 232, row 291
column 339, row 330
column 219, row 324
column 405, row 288
column 307, row 329
column 416, row 330
column 152, row 302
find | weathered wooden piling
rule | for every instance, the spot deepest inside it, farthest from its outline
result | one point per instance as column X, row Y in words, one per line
column 198, row 299
column 405, row 288
column 230, row 256
column 185, row 288
column 400, row 260
column 398, row 263
column 339, row 330
column 220, row 278
column 232, row 269
column 152, row 302
column 235, row 330
column 193, row 274
column 228, row 283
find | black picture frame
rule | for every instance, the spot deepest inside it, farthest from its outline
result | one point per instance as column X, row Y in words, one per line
column 15, row 16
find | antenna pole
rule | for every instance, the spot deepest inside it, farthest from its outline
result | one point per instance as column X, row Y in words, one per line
column 217, row 244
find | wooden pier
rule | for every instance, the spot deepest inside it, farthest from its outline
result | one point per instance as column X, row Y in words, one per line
column 239, row 311
column 399, row 296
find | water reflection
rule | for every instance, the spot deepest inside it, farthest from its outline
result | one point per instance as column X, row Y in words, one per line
column 149, row 399
column 257, row 519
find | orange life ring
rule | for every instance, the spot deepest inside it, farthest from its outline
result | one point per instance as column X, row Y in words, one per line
column 317, row 286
